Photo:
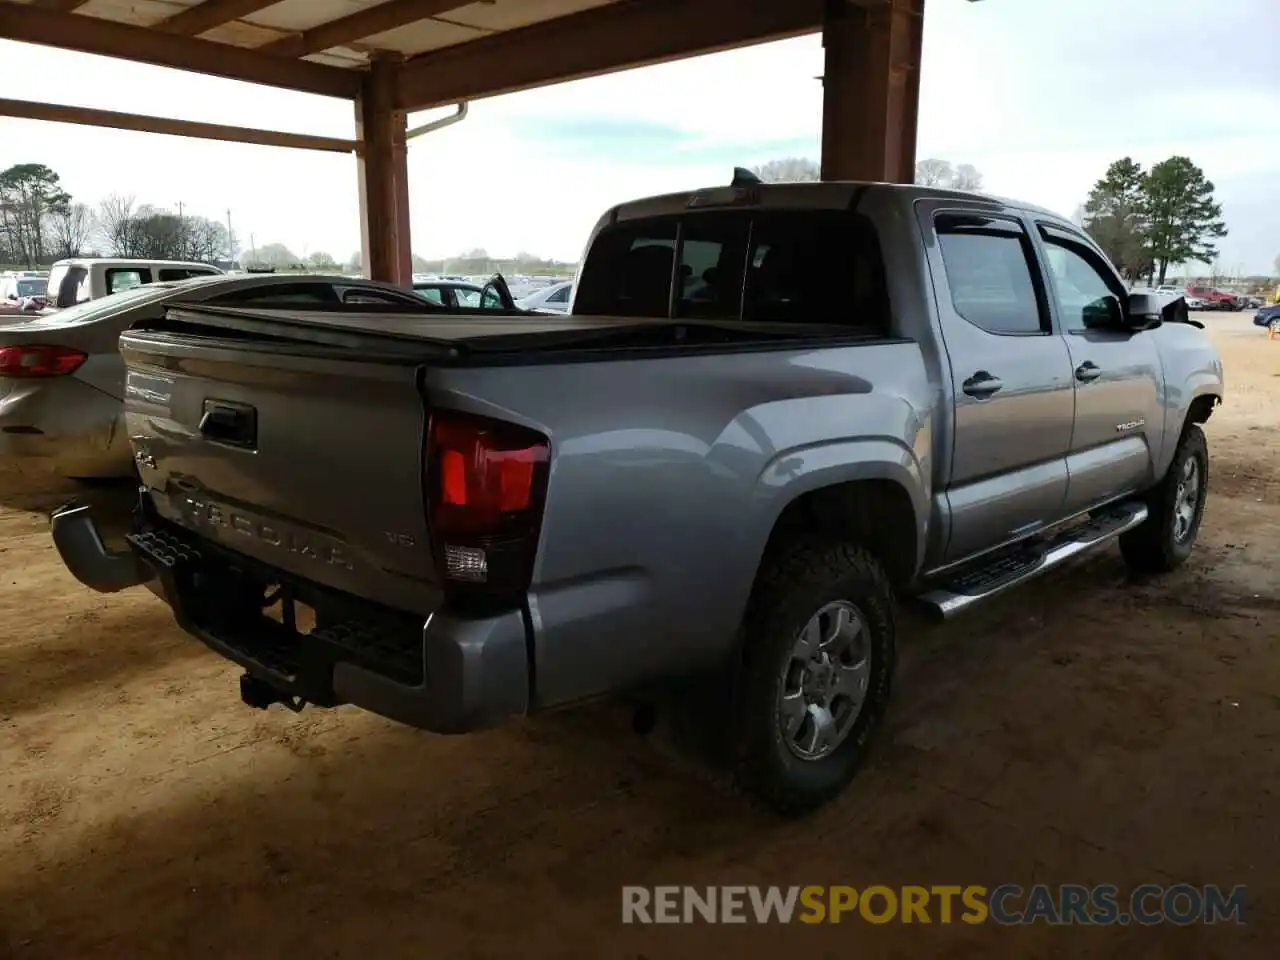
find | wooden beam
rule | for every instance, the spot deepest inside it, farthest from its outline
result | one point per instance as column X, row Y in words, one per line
column 107, row 38
column 870, row 90
column 65, row 6
column 194, row 21
column 57, row 113
column 618, row 36
column 357, row 26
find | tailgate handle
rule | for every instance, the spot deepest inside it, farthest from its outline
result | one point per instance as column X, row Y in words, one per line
column 233, row 424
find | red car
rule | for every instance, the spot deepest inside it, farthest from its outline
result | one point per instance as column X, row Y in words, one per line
column 1216, row 299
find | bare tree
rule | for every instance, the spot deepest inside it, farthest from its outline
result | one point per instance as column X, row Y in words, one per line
column 70, row 227
column 934, row 173
column 117, row 222
column 966, row 177
column 788, row 170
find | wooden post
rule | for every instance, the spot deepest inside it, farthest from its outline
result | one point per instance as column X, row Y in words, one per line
column 871, row 89
column 384, row 174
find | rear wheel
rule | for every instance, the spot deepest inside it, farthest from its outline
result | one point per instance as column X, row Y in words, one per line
column 815, row 676
column 1165, row 539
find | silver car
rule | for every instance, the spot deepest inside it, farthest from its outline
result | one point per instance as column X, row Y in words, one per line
column 552, row 299
column 62, row 379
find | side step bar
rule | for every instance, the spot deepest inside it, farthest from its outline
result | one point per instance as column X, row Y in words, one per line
column 990, row 577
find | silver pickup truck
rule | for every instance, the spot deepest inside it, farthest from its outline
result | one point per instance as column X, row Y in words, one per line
column 772, row 411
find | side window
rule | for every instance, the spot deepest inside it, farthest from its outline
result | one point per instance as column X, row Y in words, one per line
column 712, row 255
column 126, row 279
column 816, row 266
column 467, row 297
column 282, row 295
column 1080, row 286
column 361, row 295
column 988, row 264
column 492, row 301
column 561, row 295
column 431, row 295
column 628, row 270
column 183, row 273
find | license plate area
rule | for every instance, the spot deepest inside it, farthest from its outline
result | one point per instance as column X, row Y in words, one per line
column 282, row 627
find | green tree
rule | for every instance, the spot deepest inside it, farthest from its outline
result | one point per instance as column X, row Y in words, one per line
column 321, row 261
column 29, row 194
column 1115, row 216
column 1183, row 219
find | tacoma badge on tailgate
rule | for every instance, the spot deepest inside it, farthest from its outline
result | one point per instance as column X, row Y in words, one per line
column 203, row 513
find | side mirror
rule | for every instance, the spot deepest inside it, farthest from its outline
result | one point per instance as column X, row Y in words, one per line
column 1145, row 311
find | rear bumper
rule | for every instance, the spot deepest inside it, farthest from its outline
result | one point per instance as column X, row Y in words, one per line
column 450, row 674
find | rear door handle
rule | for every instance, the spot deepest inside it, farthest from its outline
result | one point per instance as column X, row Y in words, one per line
column 1088, row 371
column 981, row 385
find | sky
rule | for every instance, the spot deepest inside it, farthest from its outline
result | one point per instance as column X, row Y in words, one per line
column 1039, row 95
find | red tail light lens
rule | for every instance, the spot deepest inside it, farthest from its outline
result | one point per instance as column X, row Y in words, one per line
column 39, row 361
column 486, row 481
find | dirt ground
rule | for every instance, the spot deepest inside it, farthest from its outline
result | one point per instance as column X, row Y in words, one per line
column 1087, row 730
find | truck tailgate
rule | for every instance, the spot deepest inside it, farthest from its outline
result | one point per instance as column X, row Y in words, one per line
column 305, row 457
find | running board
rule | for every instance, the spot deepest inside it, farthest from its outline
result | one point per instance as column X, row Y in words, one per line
column 993, row 576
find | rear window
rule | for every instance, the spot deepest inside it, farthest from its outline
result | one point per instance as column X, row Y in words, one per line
column 810, row 266
column 184, row 273
column 282, row 295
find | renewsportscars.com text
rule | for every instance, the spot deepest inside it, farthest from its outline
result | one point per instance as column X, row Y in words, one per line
column 1008, row 904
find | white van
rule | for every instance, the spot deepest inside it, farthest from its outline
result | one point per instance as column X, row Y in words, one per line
column 88, row 278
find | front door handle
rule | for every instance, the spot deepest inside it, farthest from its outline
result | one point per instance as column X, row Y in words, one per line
column 981, row 385
column 1088, row 371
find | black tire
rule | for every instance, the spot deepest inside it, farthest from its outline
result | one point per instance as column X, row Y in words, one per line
column 1153, row 547
column 803, row 579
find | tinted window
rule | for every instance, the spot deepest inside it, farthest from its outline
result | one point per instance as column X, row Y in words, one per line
column 432, row 294
column 282, row 294
column 815, row 266
column 126, row 279
column 492, row 301
column 1080, row 288
column 988, row 266
column 560, row 296
column 356, row 295
column 183, row 273
column 628, row 270
column 712, row 251
column 467, row 297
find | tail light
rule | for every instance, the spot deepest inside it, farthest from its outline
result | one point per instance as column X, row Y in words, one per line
column 39, row 361
column 486, row 483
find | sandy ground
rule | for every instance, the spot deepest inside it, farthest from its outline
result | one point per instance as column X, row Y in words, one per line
column 1086, row 730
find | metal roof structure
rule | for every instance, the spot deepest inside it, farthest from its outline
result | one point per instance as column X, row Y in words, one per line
column 391, row 57
column 445, row 50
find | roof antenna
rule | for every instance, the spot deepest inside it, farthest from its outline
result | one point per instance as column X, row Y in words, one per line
column 742, row 177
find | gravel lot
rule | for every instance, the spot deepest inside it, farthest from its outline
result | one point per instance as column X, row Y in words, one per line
column 1087, row 729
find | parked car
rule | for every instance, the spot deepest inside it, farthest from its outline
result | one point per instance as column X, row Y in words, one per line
column 1195, row 303
column 1268, row 317
column 711, row 466
column 464, row 294
column 1215, row 299
column 23, row 294
column 62, row 379
column 552, row 299
column 89, row 278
